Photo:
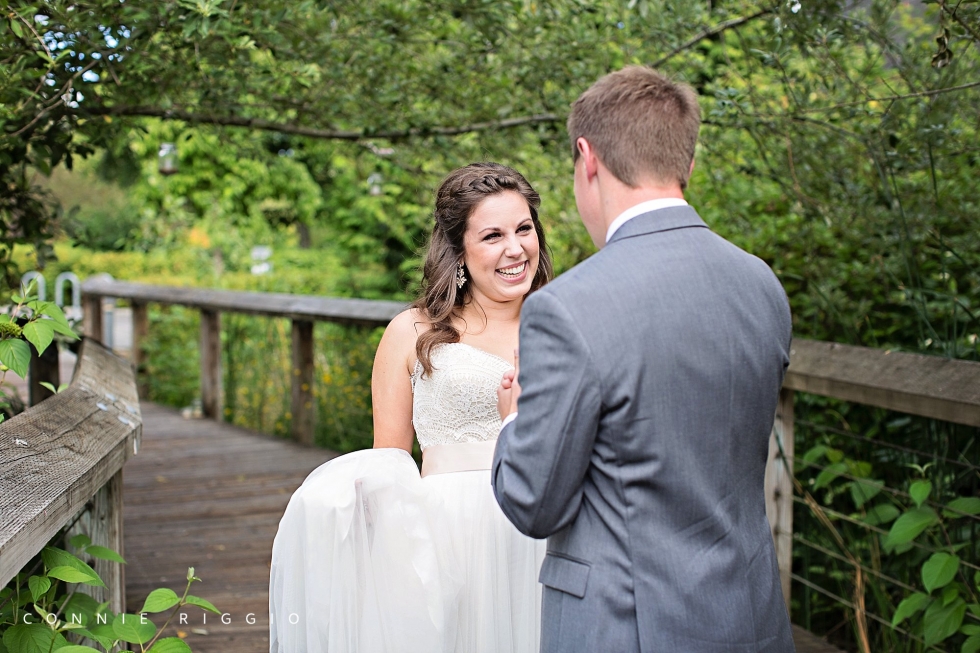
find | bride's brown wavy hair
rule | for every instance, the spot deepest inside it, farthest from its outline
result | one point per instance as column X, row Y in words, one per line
column 458, row 196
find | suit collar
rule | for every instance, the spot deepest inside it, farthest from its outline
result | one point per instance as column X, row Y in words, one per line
column 668, row 219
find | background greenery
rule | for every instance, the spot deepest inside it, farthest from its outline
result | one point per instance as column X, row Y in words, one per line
column 840, row 144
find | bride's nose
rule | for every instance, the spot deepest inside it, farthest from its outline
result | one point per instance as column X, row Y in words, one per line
column 513, row 247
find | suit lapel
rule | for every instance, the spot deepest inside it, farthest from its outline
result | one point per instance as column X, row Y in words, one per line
column 675, row 217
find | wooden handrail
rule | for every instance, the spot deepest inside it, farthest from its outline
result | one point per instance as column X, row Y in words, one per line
column 929, row 386
column 309, row 308
column 303, row 310
column 62, row 459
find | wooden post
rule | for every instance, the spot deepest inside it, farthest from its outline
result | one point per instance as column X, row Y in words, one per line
column 302, row 391
column 43, row 368
column 211, row 380
column 141, row 328
column 102, row 521
column 779, row 488
column 93, row 316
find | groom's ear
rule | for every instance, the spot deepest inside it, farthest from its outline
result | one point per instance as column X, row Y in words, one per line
column 588, row 156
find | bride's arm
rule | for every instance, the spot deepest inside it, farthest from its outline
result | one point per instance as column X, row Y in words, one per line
column 391, row 385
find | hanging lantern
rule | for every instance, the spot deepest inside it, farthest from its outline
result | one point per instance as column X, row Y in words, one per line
column 168, row 159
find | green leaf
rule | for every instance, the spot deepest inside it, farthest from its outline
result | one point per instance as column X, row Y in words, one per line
column 170, row 645
column 971, row 645
column 909, row 606
column 103, row 633
column 55, row 557
column 941, row 621
column 104, row 642
column 32, row 638
column 81, row 608
column 881, row 514
column 908, row 527
column 950, row 593
column 103, row 553
column 864, row 491
column 202, row 603
column 968, row 505
column 919, row 491
column 829, row 474
column 63, row 329
column 15, row 354
column 970, row 629
column 160, row 600
column 80, row 541
column 38, row 585
column 75, row 648
column 72, row 575
column 815, row 453
column 135, row 629
column 39, row 333
column 939, row 570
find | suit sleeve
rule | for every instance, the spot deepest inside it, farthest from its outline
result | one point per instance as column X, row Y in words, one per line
column 542, row 456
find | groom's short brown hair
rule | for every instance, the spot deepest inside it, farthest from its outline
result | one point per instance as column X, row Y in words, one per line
column 642, row 126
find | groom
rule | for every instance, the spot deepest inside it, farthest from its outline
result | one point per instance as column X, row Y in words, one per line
column 648, row 382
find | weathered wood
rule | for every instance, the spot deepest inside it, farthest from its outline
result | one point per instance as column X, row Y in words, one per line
column 930, row 386
column 102, row 522
column 93, row 320
column 303, row 417
column 56, row 456
column 141, row 329
column 779, row 488
column 210, row 496
column 211, row 380
column 43, row 369
column 297, row 307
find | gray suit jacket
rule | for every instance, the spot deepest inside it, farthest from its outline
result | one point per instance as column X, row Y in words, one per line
column 650, row 376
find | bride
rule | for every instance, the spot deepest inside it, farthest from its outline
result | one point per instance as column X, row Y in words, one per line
column 371, row 556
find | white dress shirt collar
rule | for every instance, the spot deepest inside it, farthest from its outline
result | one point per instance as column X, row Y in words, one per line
column 640, row 209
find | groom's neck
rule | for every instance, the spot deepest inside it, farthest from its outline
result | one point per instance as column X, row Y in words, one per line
column 616, row 197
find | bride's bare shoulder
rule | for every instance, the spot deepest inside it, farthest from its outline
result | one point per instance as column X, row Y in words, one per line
column 401, row 334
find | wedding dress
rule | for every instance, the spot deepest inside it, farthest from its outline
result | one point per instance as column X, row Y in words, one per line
column 372, row 557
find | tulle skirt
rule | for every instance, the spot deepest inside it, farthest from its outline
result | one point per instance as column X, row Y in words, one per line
column 371, row 558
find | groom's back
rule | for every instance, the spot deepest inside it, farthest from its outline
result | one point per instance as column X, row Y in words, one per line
column 690, row 338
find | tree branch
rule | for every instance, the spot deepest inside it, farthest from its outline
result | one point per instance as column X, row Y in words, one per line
column 963, row 23
column 708, row 33
column 892, row 98
column 312, row 132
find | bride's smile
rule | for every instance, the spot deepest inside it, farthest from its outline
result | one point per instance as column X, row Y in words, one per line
column 501, row 255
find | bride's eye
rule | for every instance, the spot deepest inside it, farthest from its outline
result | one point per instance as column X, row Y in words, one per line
column 524, row 229
column 495, row 234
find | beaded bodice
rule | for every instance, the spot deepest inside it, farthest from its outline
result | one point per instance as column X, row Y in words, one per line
column 458, row 401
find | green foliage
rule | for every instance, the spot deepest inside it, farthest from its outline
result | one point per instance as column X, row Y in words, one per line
column 32, row 321
column 38, row 614
column 915, row 537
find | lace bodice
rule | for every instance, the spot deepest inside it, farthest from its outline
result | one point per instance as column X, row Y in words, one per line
column 458, row 401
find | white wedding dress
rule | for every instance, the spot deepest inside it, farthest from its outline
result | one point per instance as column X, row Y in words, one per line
column 371, row 557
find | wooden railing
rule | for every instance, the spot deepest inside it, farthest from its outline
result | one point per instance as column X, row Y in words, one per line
column 303, row 310
column 61, row 465
column 927, row 386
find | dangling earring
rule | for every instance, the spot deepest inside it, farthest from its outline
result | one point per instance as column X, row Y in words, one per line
column 460, row 277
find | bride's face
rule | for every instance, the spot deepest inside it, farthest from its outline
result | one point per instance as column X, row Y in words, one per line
column 501, row 248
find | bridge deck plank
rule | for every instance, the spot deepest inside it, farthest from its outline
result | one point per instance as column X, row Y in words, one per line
column 208, row 495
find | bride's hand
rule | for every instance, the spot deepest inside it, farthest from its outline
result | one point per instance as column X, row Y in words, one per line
column 509, row 390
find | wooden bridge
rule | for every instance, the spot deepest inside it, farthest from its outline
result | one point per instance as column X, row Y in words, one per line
column 172, row 493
